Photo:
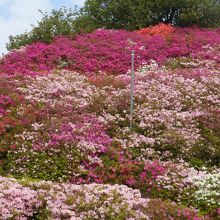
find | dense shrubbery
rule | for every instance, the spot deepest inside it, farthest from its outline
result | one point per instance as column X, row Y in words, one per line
column 73, row 128
column 109, row 51
column 46, row 200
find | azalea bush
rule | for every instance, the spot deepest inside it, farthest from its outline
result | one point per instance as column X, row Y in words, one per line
column 160, row 29
column 66, row 147
column 46, row 200
column 207, row 191
column 109, row 51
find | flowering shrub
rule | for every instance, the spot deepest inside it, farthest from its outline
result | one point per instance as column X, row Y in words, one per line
column 5, row 101
column 161, row 29
column 207, row 191
column 60, row 149
column 59, row 142
column 119, row 168
column 16, row 202
column 73, row 128
column 44, row 200
column 109, row 51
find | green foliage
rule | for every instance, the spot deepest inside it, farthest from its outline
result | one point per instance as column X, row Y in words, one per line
column 48, row 165
column 124, row 211
column 116, row 14
column 42, row 213
column 1, row 169
column 135, row 14
column 168, row 210
column 205, row 13
column 179, row 62
column 58, row 22
column 207, row 151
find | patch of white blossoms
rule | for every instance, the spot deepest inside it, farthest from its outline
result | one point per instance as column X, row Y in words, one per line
column 208, row 189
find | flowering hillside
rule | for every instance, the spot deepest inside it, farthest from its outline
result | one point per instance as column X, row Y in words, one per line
column 66, row 150
column 109, row 51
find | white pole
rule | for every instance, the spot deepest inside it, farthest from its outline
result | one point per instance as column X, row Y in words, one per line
column 132, row 90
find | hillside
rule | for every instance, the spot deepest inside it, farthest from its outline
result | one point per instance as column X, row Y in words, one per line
column 66, row 150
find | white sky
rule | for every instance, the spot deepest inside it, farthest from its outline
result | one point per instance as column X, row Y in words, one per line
column 16, row 16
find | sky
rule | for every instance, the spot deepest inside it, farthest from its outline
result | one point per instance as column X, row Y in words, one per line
column 16, row 16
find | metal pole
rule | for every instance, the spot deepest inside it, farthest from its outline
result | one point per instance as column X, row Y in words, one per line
column 132, row 90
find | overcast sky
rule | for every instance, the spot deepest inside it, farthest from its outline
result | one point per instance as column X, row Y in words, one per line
column 16, row 16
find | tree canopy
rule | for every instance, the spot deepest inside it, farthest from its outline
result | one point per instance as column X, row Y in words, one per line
column 134, row 14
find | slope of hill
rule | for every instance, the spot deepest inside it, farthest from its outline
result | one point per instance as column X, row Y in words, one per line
column 66, row 150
